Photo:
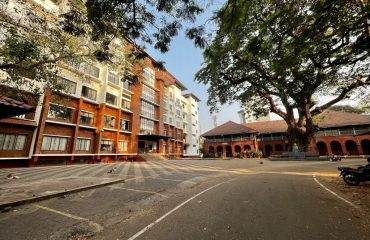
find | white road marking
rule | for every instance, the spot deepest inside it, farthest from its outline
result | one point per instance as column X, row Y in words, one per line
column 173, row 210
column 341, row 198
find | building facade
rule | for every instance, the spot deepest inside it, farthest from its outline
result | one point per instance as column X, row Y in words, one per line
column 100, row 116
column 340, row 133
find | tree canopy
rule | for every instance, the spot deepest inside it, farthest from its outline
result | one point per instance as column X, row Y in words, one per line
column 283, row 55
column 34, row 39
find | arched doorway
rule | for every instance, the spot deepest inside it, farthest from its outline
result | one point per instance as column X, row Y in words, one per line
column 211, row 150
column 351, row 147
column 278, row 148
column 237, row 149
column 336, row 148
column 247, row 148
column 365, row 145
column 321, row 148
column 268, row 150
column 220, row 151
column 228, row 151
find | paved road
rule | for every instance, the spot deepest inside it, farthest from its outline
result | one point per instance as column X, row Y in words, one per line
column 236, row 199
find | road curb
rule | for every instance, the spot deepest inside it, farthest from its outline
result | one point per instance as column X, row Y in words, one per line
column 58, row 194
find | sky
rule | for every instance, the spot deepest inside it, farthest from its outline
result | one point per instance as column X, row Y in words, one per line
column 183, row 60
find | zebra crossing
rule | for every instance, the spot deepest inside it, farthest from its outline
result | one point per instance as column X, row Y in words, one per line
column 141, row 170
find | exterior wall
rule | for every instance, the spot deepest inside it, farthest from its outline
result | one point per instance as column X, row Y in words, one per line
column 227, row 146
column 345, row 149
column 360, row 145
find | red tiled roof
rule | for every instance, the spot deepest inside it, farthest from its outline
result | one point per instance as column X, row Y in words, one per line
column 330, row 118
column 10, row 107
column 265, row 127
column 327, row 119
column 228, row 128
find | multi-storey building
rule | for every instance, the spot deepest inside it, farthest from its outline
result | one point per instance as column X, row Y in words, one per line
column 100, row 116
column 191, row 124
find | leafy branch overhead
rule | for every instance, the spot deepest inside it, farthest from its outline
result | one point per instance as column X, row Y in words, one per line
column 288, row 53
column 36, row 39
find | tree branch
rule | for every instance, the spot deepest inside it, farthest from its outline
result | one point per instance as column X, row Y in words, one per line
column 341, row 96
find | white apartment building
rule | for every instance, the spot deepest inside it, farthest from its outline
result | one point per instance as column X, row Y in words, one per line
column 191, row 124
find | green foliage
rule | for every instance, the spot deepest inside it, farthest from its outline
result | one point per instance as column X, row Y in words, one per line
column 284, row 53
column 253, row 154
column 87, row 30
column 153, row 22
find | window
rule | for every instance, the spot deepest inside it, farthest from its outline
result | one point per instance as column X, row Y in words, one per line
column 109, row 121
column 147, row 126
column 86, row 118
column 122, row 146
column 83, row 144
column 111, row 99
column 149, row 94
column 54, row 143
column 106, row 145
column 66, row 85
column 125, row 125
column 60, row 112
column 91, row 70
column 126, row 84
column 178, row 113
column 148, row 110
column 113, row 78
column 125, row 104
column 89, row 93
column 149, row 76
column 12, row 142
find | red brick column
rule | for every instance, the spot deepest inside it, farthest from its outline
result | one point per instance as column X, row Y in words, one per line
column 41, row 127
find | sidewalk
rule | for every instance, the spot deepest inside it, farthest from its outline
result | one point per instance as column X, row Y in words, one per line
column 36, row 184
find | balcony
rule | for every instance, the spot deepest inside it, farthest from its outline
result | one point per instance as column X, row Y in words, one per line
column 272, row 138
column 229, row 139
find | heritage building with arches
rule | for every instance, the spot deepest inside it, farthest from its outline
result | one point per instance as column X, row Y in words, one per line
column 340, row 133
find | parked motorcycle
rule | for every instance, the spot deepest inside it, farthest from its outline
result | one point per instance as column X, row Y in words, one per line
column 335, row 158
column 353, row 176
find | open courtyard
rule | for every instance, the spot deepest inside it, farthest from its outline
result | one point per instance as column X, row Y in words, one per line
column 184, row 199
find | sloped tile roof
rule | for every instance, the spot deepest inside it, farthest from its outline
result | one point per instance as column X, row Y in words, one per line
column 228, row 128
column 14, row 103
column 10, row 107
column 331, row 118
column 265, row 127
column 327, row 119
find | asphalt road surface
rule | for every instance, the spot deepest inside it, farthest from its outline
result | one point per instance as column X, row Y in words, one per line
column 236, row 199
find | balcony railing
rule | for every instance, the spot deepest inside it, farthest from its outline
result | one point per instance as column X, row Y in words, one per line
column 232, row 139
column 272, row 138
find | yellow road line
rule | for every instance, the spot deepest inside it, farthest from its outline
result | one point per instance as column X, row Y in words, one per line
column 97, row 227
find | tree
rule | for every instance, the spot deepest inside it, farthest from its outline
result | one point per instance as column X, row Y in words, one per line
column 288, row 53
column 35, row 40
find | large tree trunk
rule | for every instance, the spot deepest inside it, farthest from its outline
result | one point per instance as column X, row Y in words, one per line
column 301, row 136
